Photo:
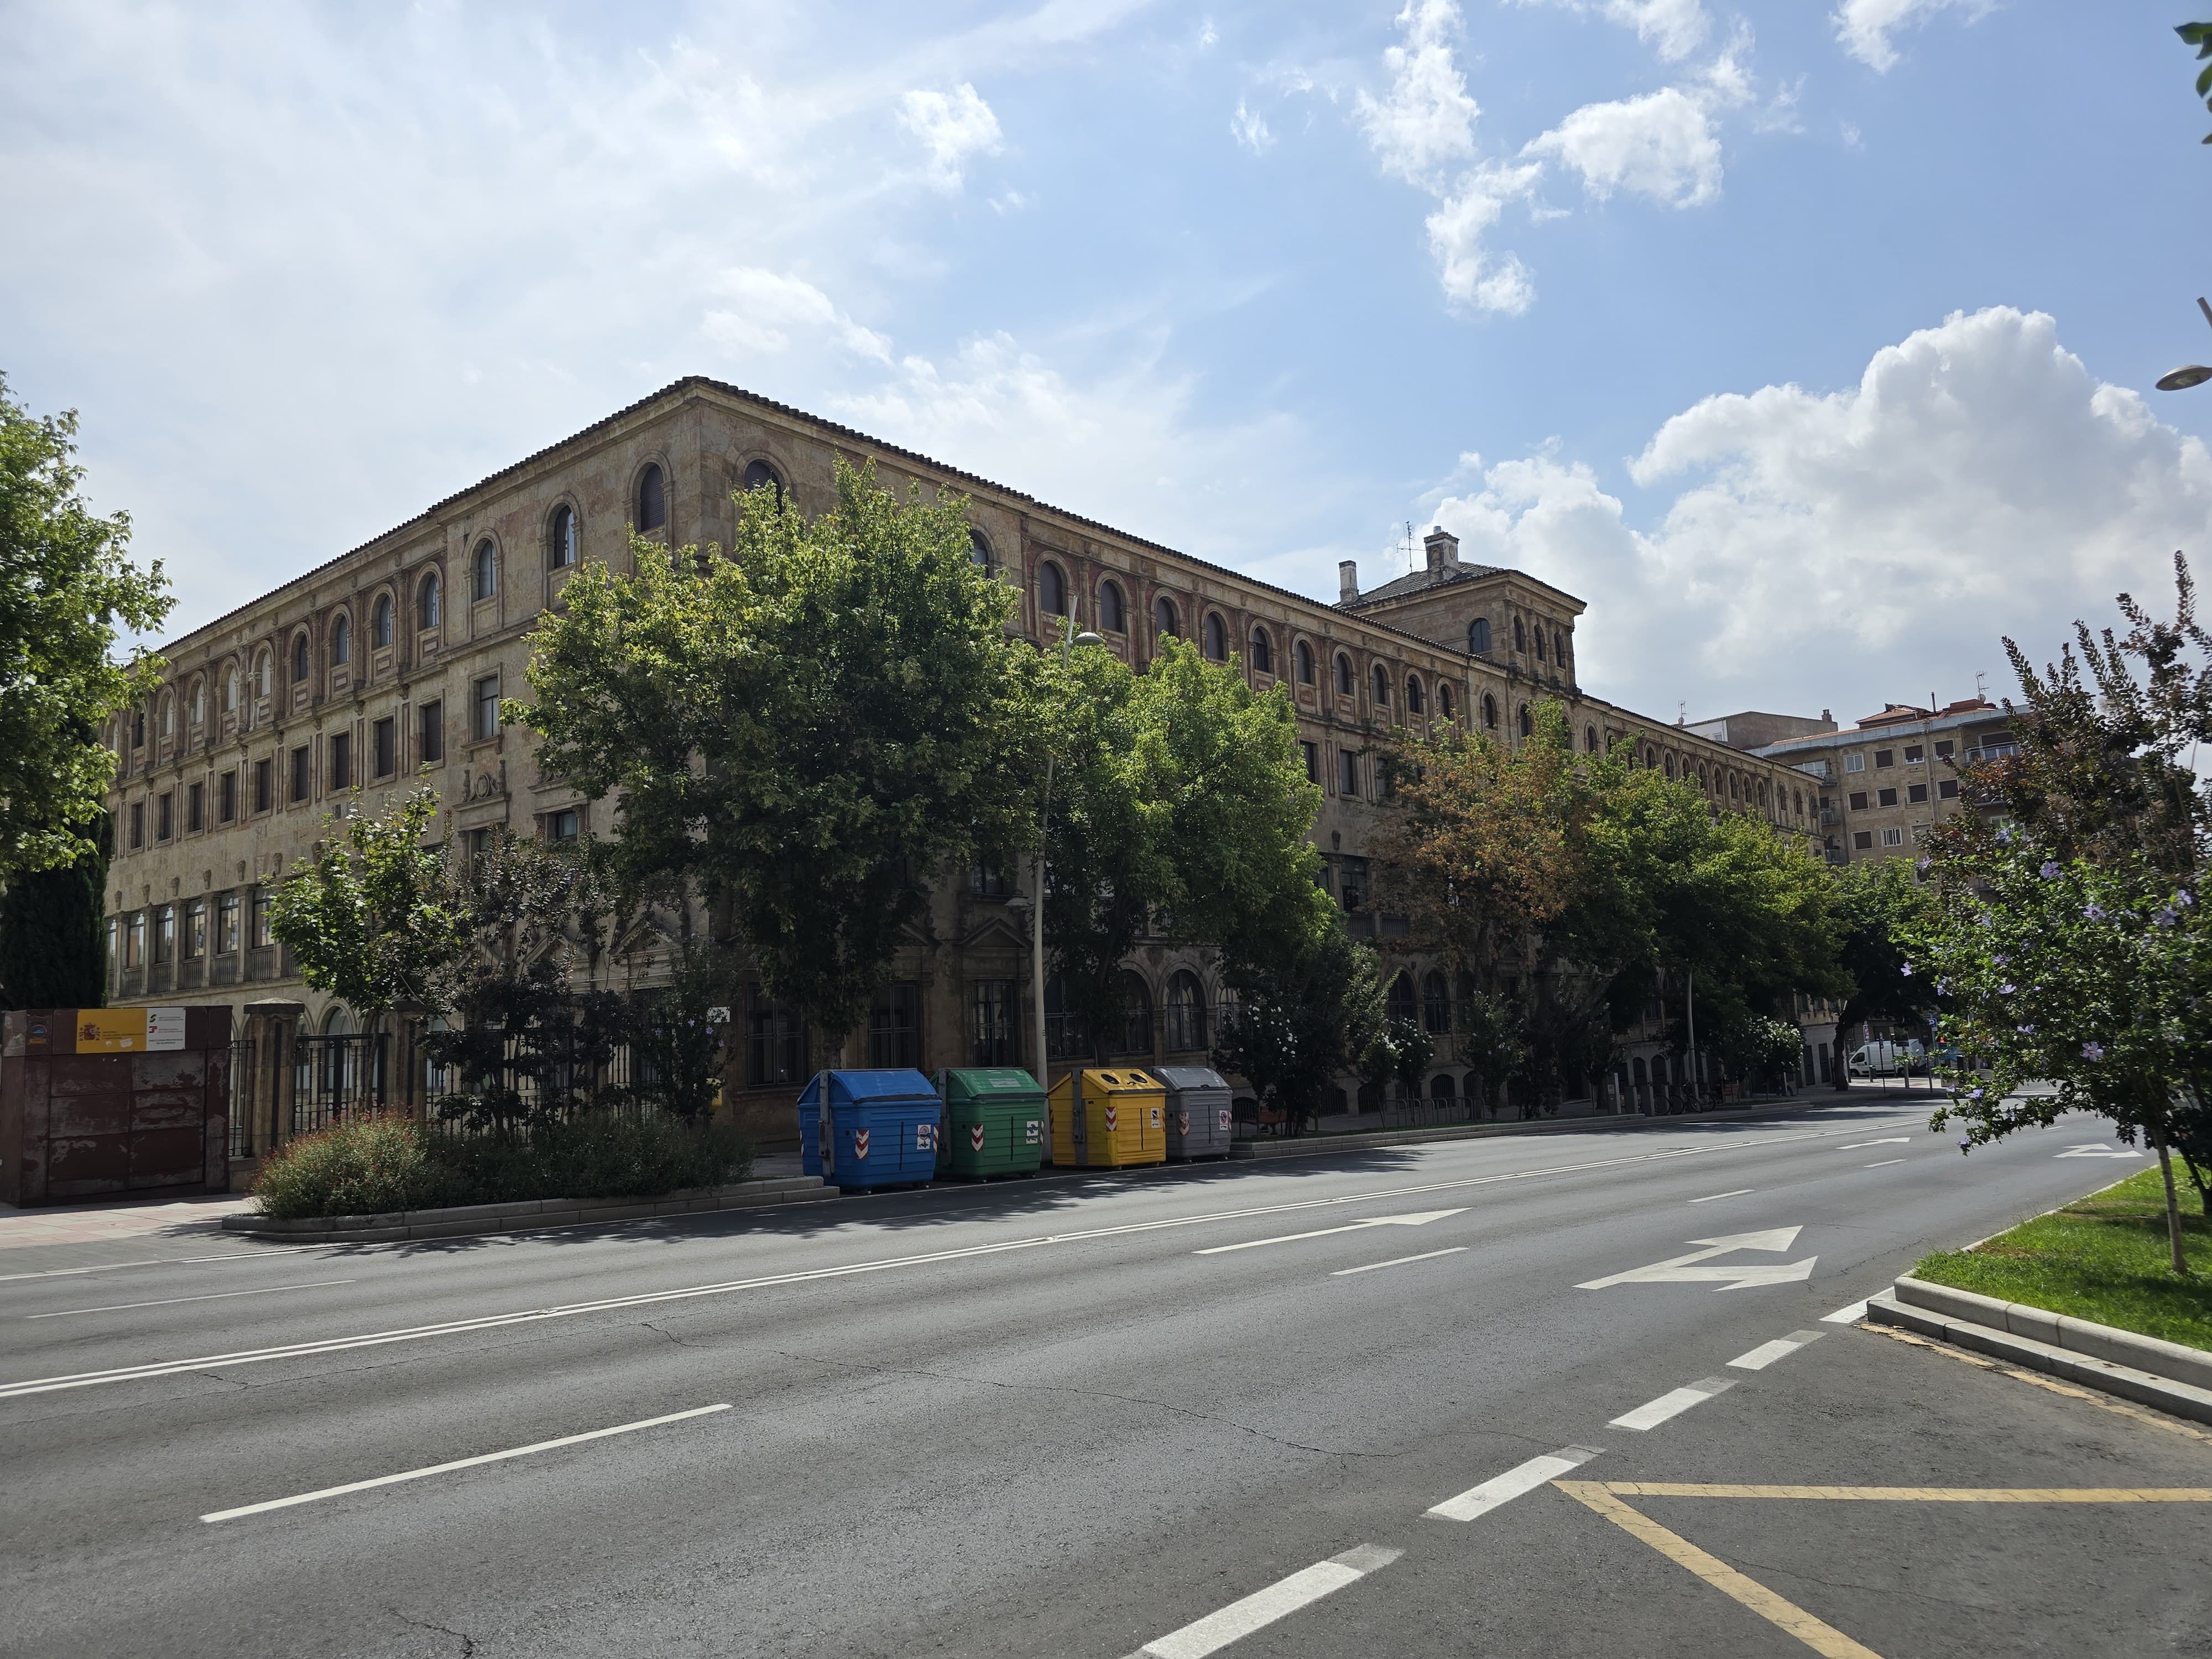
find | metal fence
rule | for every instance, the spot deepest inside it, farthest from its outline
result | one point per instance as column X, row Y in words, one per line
column 241, row 1098
column 337, row 1077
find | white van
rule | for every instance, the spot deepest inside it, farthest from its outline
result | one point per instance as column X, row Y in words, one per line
column 1885, row 1059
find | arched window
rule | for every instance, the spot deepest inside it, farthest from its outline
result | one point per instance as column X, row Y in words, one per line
column 1445, row 698
column 341, row 639
column 1217, row 638
column 1797, row 802
column 229, row 690
column 1528, row 722
column 1669, row 765
column 1558, row 647
column 379, row 621
column 298, row 661
column 199, row 701
column 1589, row 738
column 1344, row 680
column 1490, row 711
column 759, row 475
column 979, row 550
column 1113, row 615
column 652, row 499
column 1520, row 640
column 1303, row 654
column 1263, row 651
column 1701, row 779
column 261, row 674
column 1539, row 644
column 1441, row 1087
column 1478, row 637
column 1415, row 703
column 428, row 601
column 561, row 539
column 1136, row 1032
column 1400, row 1004
column 1052, row 590
column 1436, row 1003
column 486, row 568
column 1382, row 686
column 168, row 717
column 1164, row 620
column 1650, row 756
column 1186, row 1014
column 138, row 728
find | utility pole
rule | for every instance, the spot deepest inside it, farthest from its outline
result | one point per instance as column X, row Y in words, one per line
column 1690, row 1008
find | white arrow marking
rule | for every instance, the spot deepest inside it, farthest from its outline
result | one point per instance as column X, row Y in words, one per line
column 1683, row 1270
column 1894, row 1140
column 2098, row 1149
column 1420, row 1219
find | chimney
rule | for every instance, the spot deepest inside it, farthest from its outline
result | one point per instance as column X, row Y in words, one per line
column 1347, row 581
column 1443, row 549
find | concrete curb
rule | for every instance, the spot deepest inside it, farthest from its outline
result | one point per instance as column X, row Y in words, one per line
column 526, row 1215
column 1316, row 1146
column 2164, row 1375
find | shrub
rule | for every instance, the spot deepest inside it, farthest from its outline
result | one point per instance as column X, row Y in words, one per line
column 358, row 1166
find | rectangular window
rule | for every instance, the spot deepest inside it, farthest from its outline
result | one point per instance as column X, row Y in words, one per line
column 1920, row 831
column 165, row 933
column 1862, row 839
column 264, row 785
column 1946, row 749
column 776, row 1046
column 384, row 746
column 1893, row 836
column 479, row 845
column 1858, row 801
column 430, row 748
column 1312, row 752
column 1917, row 793
column 483, row 709
column 134, row 940
column 137, row 825
column 993, row 1024
column 562, row 826
column 226, row 795
column 1348, row 773
column 1854, row 763
column 895, row 1027
column 299, row 775
column 341, row 760
column 196, row 930
column 196, row 808
column 262, row 935
column 1915, row 754
column 1886, row 797
column 1947, row 790
column 226, row 923
column 1884, row 758
column 1351, row 885
column 984, row 882
column 165, row 812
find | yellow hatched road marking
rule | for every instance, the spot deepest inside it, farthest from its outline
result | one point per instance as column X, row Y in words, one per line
column 1920, row 1494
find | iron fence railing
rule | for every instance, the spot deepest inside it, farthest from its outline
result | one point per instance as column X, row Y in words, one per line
column 241, row 1098
column 337, row 1076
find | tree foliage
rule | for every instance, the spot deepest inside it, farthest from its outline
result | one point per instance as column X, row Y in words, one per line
column 811, row 724
column 2199, row 35
column 1881, row 907
column 53, row 949
column 1301, row 1020
column 67, row 587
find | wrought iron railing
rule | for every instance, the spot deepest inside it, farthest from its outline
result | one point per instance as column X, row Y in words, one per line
column 242, row 1077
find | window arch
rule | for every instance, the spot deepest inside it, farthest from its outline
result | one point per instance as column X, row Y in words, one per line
column 1217, row 637
column 652, row 498
column 1136, row 1033
column 169, row 718
column 137, row 728
column 429, row 600
column 1702, row 784
column 1113, row 613
column 1490, row 711
column 759, row 475
column 1263, row 651
column 1478, row 637
column 1558, row 647
column 1302, row 653
column 1444, row 699
column 1382, row 686
column 1164, row 619
column 341, row 639
column 1436, row 1003
column 1416, row 703
column 486, row 568
column 561, row 539
column 1539, row 644
column 1344, row 680
column 1441, row 1087
column 229, row 690
column 1520, row 639
column 261, row 673
column 379, row 622
column 1667, row 765
column 1528, row 722
column 1052, row 590
column 979, row 551
column 198, row 704
column 1400, row 1006
column 299, row 660
column 1186, row 1014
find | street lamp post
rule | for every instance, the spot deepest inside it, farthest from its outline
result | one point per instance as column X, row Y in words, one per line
column 2187, row 375
column 1069, row 638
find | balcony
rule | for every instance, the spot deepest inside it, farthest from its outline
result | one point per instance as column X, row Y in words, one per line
column 261, row 962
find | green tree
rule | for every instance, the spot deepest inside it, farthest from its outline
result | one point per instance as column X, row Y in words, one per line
column 1881, row 907
column 811, row 726
column 681, row 1032
column 1301, row 1020
column 2199, row 35
column 53, row 948
column 67, row 585
column 374, row 917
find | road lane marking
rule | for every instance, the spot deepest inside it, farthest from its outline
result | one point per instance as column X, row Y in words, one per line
column 1685, row 1270
column 1399, row 1260
column 1823, row 1638
column 1502, row 1489
column 170, row 1302
column 1781, row 1348
column 1892, row 1141
column 1673, row 1403
column 2098, row 1149
column 461, row 1463
column 1422, row 1219
column 1848, row 1315
column 1263, row 1607
column 163, row 1262
column 1738, row 1193
column 413, row 1334
column 1885, row 1163
column 1917, row 1494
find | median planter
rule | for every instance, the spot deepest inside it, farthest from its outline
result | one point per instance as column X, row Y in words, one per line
column 524, row 1215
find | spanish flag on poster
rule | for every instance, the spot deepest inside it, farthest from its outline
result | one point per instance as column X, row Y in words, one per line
column 129, row 1031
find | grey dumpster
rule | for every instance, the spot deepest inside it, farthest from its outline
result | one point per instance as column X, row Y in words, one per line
column 1198, row 1111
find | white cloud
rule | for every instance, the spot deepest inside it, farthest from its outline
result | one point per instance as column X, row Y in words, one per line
column 1250, row 130
column 1842, row 550
column 1865, row 27
column 1207, row 35
column 1659, row 145
column 954, row 128
column 1471, row 276
column 765, row 307
column 1672, row 28
column 1424, row 124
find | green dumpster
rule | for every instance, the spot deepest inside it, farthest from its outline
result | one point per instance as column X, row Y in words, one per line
column 995, row 1122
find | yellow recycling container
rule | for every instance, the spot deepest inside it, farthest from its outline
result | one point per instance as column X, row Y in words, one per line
column 1109, row 1120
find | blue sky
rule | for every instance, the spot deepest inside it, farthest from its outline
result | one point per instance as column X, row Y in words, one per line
column 1811, row 343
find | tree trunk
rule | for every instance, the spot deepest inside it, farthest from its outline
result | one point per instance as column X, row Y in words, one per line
column 2172, row 1211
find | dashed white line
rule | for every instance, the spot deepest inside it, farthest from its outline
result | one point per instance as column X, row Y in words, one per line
column 1400, row 1261
column 1263, row 1607
column 460, row 1463
column 172, row 1301
column 1738, row 1193
column 1673, row 1403
column 1848, row 1314
column 166, row 1261
column 1781, row 1348
column 1885, row 1163
column 1504, row 1488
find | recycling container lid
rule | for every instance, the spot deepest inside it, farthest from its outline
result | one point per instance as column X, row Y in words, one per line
column 853, row 1088
column 989, row 1082
column 1190, row 1077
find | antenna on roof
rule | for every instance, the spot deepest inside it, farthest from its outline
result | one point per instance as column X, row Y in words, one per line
column 1981, row 690
column 1409, row 547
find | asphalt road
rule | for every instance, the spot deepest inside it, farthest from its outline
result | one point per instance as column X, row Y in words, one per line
column 1059, row 1417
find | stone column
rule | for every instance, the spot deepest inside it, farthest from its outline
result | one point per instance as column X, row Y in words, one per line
column 271, row 1022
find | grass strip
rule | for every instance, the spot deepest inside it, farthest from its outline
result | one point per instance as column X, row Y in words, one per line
column 2101, row 1258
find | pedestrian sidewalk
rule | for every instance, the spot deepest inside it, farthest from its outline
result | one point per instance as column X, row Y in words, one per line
column 66, row 1235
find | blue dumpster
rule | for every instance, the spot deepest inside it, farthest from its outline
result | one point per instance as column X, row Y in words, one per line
column 860, row 1129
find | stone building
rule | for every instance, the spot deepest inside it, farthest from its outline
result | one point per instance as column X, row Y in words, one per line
column 382, row 670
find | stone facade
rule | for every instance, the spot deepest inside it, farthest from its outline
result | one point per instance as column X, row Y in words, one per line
column 381, row 671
